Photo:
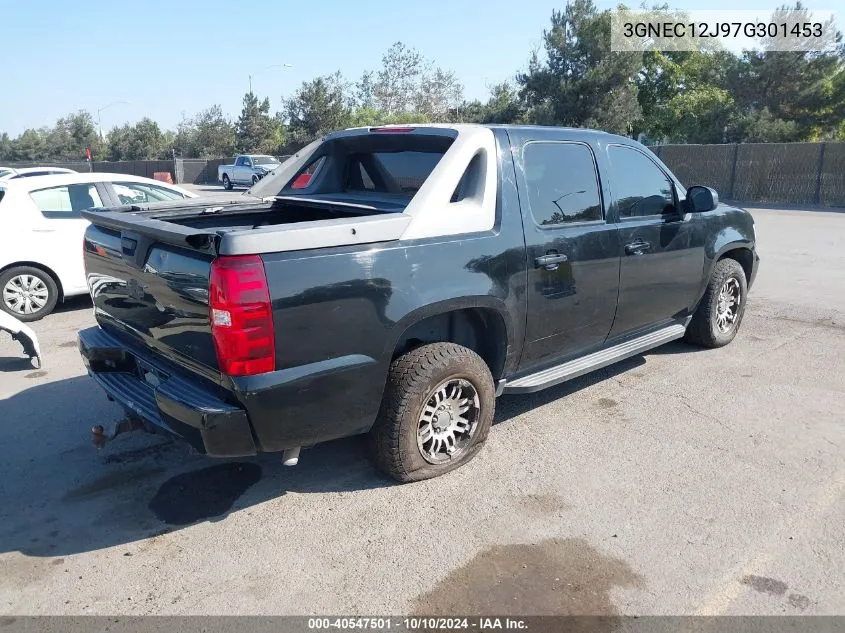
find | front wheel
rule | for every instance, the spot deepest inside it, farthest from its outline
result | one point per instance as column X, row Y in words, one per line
column 717, row 319
column 227, row 184
column 254, row 180
column 436, row 413
column 28, row 294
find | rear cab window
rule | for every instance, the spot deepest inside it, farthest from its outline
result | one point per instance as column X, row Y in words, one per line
column 384, row 170
column 401, row 172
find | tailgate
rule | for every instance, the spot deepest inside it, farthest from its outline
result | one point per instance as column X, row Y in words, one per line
column 153, row 290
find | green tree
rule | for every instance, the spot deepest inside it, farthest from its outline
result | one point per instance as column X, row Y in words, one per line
column 319, row 106
column 256, row 130
column 397, row 82
column 6, row 148
column 31, row 145
column 503, row 106
column 209, row 134
column 438, row 94
column 71, row 135
column 141, row 141
column 684, row 96
column 580, row 82
column 802, row 87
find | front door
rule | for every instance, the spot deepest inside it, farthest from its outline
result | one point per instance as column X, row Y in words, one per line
column 243, row 169
column 573, row 252
column 662, row 249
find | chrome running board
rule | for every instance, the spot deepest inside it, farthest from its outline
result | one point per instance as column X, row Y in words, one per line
column 596, row 360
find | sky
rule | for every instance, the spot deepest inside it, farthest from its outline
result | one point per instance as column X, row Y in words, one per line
column 169, row 60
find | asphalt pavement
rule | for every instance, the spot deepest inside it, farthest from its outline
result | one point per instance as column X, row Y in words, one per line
column 683, row 481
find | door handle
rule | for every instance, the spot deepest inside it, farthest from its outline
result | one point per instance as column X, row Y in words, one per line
column 43, row 230
column 637, row 247
column 550, row 260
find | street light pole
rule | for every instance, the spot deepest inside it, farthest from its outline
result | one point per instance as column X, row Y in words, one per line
column 100, row 110
column 271, row 67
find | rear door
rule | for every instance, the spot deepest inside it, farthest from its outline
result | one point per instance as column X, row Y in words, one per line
column 662, row 249
column 59, row 229
column 572, row 249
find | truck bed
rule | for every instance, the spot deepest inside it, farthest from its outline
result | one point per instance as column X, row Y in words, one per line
column 284, row 223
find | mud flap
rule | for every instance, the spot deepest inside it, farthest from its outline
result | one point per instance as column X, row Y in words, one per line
column 24, row 335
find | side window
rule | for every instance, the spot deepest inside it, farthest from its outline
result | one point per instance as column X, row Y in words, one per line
column 471, row 184
column 136, row 193
column 247, row 162
column 641, row 188
column 239, row 161
column 67, row 201
column 563, row 186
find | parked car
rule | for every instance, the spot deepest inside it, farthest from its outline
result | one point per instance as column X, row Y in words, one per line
column 42, row 229
column 11, row 173
column 247, row 170
column 23, row 335
column 420, row 272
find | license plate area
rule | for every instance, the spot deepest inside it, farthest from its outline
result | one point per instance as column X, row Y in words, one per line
column 148, row 374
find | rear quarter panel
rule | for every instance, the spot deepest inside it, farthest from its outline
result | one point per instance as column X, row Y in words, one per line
column 339, row 314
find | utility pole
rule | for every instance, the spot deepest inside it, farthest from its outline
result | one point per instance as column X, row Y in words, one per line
column 100, row 110
column 271, row 67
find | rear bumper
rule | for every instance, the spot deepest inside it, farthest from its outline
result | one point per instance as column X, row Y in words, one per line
column 155, row 392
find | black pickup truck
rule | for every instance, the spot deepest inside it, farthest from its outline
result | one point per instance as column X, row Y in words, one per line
column 396, row 280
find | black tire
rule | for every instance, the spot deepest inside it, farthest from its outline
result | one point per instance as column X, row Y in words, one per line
column 704, row 328
column 412, row 381
column 227, row 184
column 254, row 180
column 48, row 282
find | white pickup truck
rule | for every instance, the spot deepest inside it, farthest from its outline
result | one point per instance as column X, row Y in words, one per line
column 247, row 170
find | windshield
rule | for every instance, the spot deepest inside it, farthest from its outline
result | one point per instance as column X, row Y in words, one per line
column 264, row 160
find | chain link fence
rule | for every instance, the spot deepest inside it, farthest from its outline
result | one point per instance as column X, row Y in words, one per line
column 774, row 173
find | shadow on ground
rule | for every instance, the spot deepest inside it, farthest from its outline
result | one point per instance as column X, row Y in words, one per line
column 61, row 496
column 71, row 304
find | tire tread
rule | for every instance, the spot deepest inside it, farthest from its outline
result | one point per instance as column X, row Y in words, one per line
column 409, row 379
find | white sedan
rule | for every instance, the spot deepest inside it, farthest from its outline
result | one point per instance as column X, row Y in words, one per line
column 13, row 173
column 42, row 230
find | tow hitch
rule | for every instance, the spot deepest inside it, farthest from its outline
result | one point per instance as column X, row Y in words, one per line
column 127, row 425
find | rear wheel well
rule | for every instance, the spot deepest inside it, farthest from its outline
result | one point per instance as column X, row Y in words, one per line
column 745, row 259
column 480, row 329
column 41, row 267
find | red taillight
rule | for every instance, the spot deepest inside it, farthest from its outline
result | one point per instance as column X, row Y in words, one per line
column 241, row 316
column 301, row 181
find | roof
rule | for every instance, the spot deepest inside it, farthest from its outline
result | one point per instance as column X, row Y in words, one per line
column 463, row 127
column 55, row 180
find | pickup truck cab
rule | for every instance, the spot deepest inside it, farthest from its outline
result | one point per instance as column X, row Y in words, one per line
column 247, row 170
column 417, row 273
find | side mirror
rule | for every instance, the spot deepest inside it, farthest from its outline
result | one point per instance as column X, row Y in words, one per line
column 700, row 199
